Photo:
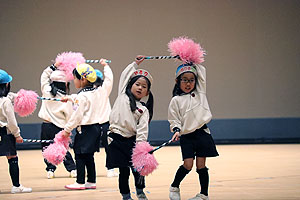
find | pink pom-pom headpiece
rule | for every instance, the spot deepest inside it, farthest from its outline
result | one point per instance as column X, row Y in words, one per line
column 25, row 102
column 187, row 50
column 67, row 62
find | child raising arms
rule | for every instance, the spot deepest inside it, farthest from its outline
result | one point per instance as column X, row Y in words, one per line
column 9, row 133
column 129, row 121
column 85, row 119
column 188, row 115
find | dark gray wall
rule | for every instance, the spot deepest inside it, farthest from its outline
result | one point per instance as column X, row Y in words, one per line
column 252, row 47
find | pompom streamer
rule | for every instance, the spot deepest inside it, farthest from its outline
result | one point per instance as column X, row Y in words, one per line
column 143, row 159
column 97, row 61
column 38, row 141
column 67, row 62
column 187, row 50
column 49, row 99
column 25, row 102
column 55, row 153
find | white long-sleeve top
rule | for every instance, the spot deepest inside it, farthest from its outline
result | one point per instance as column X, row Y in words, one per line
column 87, row 105
column 55, row 112
column 7, row 116
column 122, row 120
column 105, row 90
column 189, row 112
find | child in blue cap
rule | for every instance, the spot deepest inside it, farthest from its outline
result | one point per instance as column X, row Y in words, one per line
column 9, row 133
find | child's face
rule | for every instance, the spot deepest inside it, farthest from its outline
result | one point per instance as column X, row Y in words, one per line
column 140, row 88
column 77, row 83
column 80, row 83
column 187, row 82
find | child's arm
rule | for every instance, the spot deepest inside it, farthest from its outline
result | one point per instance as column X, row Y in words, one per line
column 143, row 127
column 201, row 79
column 108, row 76
column 127, row 72
column 12, row 125
column 80, row 106
column 174, row 119
column 45, row 78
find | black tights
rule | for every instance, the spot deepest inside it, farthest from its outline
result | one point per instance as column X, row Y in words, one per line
column 124, row 180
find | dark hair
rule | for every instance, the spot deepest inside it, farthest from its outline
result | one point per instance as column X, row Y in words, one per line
column 79, row 77
column 4, row 90
column 98, row 82
column 149, row 104
column 61, row 87
column 76, row 74
column 176, row 90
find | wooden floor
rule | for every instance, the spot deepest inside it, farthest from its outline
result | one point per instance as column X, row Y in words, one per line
column 241, row 172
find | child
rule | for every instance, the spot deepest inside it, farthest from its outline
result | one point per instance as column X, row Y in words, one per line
column 55, row 114
column 129, row 124
column 9, row 133
column 85, row 119
column 188, row 115
column 106, row 86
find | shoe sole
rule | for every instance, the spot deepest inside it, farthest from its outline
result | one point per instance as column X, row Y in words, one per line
column 92, row 188
column 81, row 188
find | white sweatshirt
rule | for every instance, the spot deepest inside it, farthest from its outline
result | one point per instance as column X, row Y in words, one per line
column 189, row 112
column 55, row 112
column 7, row 116
column 122, row 120
column 105, row 90
column 88, row 107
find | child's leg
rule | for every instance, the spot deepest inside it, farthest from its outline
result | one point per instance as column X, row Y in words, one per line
column 14, row 170
column 124, row 180
column 69, row 162
column 90, row 168
column 139, row 181
column 182, row 172
column 80, row 166
column 202, row 170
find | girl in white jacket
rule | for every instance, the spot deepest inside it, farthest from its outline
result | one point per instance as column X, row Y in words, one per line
column 188, row 115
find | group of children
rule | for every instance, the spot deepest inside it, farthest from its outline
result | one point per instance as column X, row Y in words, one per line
column 89, row 113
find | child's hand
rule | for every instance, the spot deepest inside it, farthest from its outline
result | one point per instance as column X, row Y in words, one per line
column 19, row 139
column 175, row 136
column 139, row 59
column 103, row 62
column 64, row 99
column 66, row 134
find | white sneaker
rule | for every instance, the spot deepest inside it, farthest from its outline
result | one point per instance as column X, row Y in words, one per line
column 20, row 189
column 75, row 186
column 89, row 185
column 73, row 173
column 200, row 197
column 50, row 174
column 111, row 173
column 174, row 193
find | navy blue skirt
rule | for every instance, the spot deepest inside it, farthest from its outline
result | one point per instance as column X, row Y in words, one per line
column 7, row 143
column 120, row 150
column 198, row 144
column 88, row 139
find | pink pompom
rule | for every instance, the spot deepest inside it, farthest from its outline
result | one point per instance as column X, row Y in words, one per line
column 67, row 62
column 187, row 50
column 55, row 153
column 144, row 162
column 25, row 102
column 60, row 138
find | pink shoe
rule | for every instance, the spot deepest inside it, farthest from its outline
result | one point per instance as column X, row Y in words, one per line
column 75, row 186
column 89, row 185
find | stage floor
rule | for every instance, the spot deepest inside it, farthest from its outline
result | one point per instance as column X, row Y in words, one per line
column 241, row 172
